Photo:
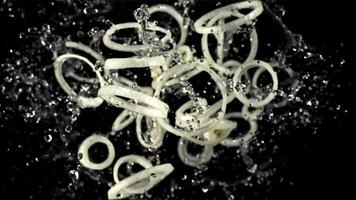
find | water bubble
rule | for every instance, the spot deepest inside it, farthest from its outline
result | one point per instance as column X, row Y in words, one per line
column 142, row 13
column 48, row 138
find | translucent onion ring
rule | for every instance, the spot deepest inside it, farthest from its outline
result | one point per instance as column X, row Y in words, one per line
column 190, row 160
column 83, row 102
column 224, row 70
column 123, row 120
column 152, row 106
column 289, row 71
column 131, row 48
column 204, row 29
column 130, row 159
column 246, row 138
column 153, row 175
column 88, row 50
column 176, row 15
column 237, row 79
column 183, row 68
column 83, row 152
column 157, row 134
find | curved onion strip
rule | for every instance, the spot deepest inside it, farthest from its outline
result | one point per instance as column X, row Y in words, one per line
column 83, row 152
column 230, row 26
column 130, row 159
column 156, row 134
column 83, row 102
column 207, row 54
column 86, row 49
column 240, row 95
column 182, row 117
column 146, row 179
column 190, row 160
column 151, row 106
column 176, row 15
column 134, row 62
column 132, row 48
column 290, row 73
column 182, row 68
column 123, row 120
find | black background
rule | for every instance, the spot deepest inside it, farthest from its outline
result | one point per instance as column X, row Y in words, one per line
column 319, row 165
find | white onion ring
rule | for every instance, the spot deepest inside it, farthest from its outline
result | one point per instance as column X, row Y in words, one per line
column 123, row 120
column 131, row 48
column 290, row 73
column 176, row 15
column 182, row 68
column 152, row 106
column 241, row 95
column 190, row 160
column 156, row 137
column 84, row 148
column 140, row 182
column 83, row 102
column 202, row 29
column 206, row 51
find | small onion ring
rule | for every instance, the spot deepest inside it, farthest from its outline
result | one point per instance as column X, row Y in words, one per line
column 289, row 71
column 84, row 151
column 237, row 79
column 127, row 159
column 153, row 175
column 190, row 160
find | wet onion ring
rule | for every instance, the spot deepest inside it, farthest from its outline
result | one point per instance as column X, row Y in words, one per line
column 206, row 52
column 156, row 136
column 176, row 15
column 190, row 160
column 123, row 120
column 83, row 102
column 240, row 95
column 83, row 152
column 233, row 25
column 131, row 48
column 124, row 189
column 183, row 68
column 152, row 106
column 246, row 138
